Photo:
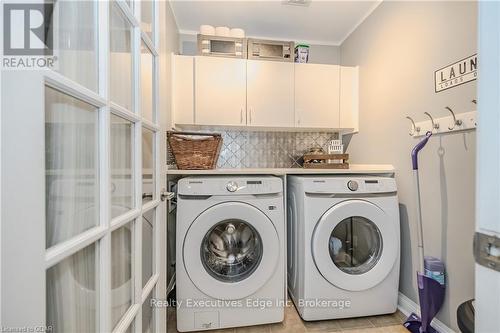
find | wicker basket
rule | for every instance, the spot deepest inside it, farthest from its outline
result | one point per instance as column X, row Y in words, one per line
column 195, row 151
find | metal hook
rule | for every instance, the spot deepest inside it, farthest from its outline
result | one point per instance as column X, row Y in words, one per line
column 474, row 101
column 434, row 125
column 455, row 121
column 415, row 128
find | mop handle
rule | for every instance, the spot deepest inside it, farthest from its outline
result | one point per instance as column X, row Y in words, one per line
column 417, row 148
column 420, row 233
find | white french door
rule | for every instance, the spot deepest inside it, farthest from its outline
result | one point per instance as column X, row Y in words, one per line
column 487, row 241
column 82, row 217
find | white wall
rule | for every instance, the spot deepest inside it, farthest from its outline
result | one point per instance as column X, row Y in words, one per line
column 398, row 48
column 324, row 54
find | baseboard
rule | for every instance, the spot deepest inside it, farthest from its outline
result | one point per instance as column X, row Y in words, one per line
column 407, row 306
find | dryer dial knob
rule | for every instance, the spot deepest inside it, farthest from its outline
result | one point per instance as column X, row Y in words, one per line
column 352, row 185
column 232, row 186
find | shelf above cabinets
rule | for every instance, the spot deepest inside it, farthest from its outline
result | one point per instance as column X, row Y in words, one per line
column 266, row 95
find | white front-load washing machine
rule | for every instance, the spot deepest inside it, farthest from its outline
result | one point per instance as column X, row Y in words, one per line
column 344, row 243
column 230, row 252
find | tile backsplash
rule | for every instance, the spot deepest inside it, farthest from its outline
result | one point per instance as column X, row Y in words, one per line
column 249, row 149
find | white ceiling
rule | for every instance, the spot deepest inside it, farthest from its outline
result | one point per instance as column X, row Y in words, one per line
column 321, row 22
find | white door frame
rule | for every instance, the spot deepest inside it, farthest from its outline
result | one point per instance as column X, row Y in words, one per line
column 488, row 162
column 24, row 258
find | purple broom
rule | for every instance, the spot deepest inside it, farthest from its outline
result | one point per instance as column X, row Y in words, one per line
column 430, row 275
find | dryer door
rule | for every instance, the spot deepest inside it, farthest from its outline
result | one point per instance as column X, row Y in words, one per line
column 355, row 245
column 231, row 250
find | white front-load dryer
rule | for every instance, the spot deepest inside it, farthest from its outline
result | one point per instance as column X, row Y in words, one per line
column 230, row 249
column 344, row 244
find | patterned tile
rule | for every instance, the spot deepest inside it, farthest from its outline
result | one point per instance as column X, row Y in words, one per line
column 249, row 149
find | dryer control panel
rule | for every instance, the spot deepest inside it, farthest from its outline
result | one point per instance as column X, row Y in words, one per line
column 347, row 185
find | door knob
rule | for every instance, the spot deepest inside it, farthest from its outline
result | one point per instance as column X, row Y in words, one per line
column 165, row 195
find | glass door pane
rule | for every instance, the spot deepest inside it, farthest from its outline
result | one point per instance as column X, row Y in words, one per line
column 148, row 315
column 72, row 295
column 121, row 58
column 147, row 165
column 146, row 82
column 121, row 160
column 147, row 17
column 71, row 162
column 147, row 246
column 75, row 36
column 122, row 284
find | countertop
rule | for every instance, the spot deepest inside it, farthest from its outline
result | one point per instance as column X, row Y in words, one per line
column 353, row 169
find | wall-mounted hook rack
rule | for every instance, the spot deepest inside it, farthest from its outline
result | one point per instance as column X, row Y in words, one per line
column 456, row 122
column 462, row 122
column 435, row 124
column 414, row 128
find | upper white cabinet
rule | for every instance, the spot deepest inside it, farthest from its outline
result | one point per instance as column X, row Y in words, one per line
column 349, row 98
column 183, row 90
column 220, row 91
column 270, row 93
column 212, row 91
column 317, row 96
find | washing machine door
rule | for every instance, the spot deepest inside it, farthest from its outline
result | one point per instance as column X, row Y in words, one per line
column 355, row 245
column 231, row 250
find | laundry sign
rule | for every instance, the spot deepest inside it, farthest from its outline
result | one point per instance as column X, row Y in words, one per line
column 458, row 73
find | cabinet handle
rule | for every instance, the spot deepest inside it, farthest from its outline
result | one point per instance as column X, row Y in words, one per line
column 241, row 116
column 250, row 116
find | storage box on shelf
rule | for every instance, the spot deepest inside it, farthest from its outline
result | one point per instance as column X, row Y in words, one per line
column 326, row 161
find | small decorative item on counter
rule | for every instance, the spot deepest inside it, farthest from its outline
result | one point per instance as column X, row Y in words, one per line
column 317, row 159
column 302, row 53
column 195, row 151
column 315, row 151
column 335, row 147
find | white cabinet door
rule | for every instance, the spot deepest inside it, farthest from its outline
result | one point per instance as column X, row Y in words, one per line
column 349, row 98
column 220, row 91
column 270, row 93
column 317, row 96
column 183, row 90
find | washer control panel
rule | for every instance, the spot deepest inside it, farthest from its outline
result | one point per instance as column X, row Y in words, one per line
column 235, row 185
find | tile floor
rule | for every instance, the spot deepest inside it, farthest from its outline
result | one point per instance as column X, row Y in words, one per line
column 391, row 323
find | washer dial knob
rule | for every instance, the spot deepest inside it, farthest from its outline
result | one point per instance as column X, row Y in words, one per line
column 232, row 186
column 352, row 185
